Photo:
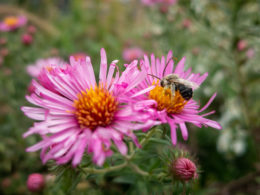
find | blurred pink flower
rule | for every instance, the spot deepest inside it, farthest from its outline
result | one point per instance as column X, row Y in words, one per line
column 241, row 45
column 167, row 107
column 3, row 41
column 27, row 39
column 184, row 169
column 35, row 182
column 4, row 52
column 11, row 23
column 80, row 114
column 1, row 60
column 130, row 54
column 34, row 70
column 250, row 53
column 31, row 29
column 186, row 23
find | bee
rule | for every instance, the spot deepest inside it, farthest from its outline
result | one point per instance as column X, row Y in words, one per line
column 175, row 83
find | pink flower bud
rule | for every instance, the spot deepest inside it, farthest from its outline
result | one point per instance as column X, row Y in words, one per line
column 184, row 169
column 35, row 182
column 31, row 29
column 27, row 39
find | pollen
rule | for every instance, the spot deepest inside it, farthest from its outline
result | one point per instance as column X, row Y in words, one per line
column 11, row 21
column 166, row 100
column 95, row 107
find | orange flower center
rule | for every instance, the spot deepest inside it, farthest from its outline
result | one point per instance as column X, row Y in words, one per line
column 166, row 100
column 11, row 21
column 48, row 68
column 95, row 107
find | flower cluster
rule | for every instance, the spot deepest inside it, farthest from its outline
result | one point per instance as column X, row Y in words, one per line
column 78, row 114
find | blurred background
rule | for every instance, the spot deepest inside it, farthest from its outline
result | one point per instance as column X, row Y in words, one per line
column 220, row 37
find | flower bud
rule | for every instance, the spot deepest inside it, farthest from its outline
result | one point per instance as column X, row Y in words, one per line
column 184, row 169
column 27, row 39
column 35, row 182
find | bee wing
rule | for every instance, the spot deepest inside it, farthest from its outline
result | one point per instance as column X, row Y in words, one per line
column 188, row 83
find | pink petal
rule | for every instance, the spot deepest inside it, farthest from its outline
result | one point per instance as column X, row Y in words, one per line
column 103, row 66
column 208, row 103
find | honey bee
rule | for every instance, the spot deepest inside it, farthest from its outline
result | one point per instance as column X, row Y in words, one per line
column 175, row 83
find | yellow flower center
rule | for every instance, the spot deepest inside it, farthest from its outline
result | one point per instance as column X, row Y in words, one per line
column 11, row 21
column 48, row 68
column 166, row 100
column 95, row 107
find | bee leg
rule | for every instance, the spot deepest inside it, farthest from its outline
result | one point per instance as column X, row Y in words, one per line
column 173, row 89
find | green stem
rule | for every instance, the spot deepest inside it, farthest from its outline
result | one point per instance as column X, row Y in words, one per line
column 109, row 169
column 138, row 170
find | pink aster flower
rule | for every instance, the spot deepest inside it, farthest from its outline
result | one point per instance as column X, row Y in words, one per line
column 130, row 54
column 184, row 169
column 82, row 115
column 34, row 70
column 167, row 107
column 11, row 23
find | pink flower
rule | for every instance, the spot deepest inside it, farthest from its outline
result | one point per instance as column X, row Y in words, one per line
column 81, row 115
column 27, row 39
column 250, row 53
column 35, row 182
column 11, row 23
column 34, row 70
column 167, row 107
column 1, row 60
column 241, row 45
column 184, row 169
column 4, row 52
column 3, row 41
column 186, row 23
column 31, row 29
column 130, row 54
